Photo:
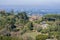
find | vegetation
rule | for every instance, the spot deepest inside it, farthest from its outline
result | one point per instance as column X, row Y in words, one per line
column 41, row 37
column 19, row 27
column 9, row 38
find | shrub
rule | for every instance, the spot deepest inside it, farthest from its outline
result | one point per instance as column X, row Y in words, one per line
column 41, row 37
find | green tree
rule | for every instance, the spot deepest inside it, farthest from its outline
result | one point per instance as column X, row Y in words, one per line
column 30, row 26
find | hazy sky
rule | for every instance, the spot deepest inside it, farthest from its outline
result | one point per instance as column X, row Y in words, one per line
column 45, row 3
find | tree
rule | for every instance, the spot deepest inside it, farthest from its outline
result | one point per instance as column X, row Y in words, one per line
column 30, row 26
column 23, row 15
column 2, row 22
column 3, row 13
column 57, row 16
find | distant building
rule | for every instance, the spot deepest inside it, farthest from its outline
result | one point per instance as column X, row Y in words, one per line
column 44, row 24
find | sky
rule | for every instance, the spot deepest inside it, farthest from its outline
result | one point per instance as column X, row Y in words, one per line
column 40, row 3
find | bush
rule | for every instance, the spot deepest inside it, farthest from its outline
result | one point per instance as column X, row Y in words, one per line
column 9, row 38
column 55, row 34
column 38, row 29
column 45, row 31
column 41, row 37
column 26, row 37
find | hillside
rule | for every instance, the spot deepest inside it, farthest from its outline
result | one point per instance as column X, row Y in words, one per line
column 20, row 26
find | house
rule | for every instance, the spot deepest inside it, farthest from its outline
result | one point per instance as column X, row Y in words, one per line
column 44, row 24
